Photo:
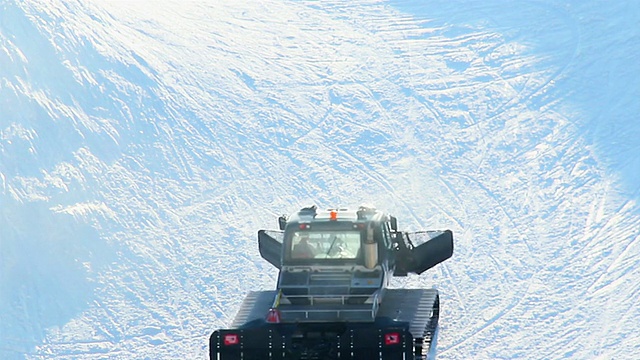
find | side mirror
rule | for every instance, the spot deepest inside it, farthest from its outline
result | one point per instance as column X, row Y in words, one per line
column 394, row 223
column 282, row 222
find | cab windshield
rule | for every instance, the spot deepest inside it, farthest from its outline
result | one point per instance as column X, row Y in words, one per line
column 330, row 244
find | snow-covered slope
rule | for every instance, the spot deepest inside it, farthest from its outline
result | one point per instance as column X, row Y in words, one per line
column 143, row 144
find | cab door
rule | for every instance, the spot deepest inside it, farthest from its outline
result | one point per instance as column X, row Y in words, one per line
column 437, row 248
column 418, row 252
column 270, row 246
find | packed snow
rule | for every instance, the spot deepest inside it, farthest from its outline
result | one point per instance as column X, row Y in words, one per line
column 143, row 144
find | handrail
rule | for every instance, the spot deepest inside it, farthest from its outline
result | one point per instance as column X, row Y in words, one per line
column 342, row 297
column 344, row 309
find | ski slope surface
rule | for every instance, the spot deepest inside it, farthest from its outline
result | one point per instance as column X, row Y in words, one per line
column 144, row 143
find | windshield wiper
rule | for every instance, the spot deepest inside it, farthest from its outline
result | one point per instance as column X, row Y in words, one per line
column 335, row 237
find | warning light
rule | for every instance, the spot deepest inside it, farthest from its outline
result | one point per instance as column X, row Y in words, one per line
column 333, row 215
column 273, row 316
column 392, row 338
column 231, row 339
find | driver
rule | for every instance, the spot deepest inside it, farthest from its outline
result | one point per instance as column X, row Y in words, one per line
column 303, row 250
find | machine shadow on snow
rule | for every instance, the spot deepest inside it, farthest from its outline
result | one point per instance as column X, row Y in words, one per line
column 47, row 264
